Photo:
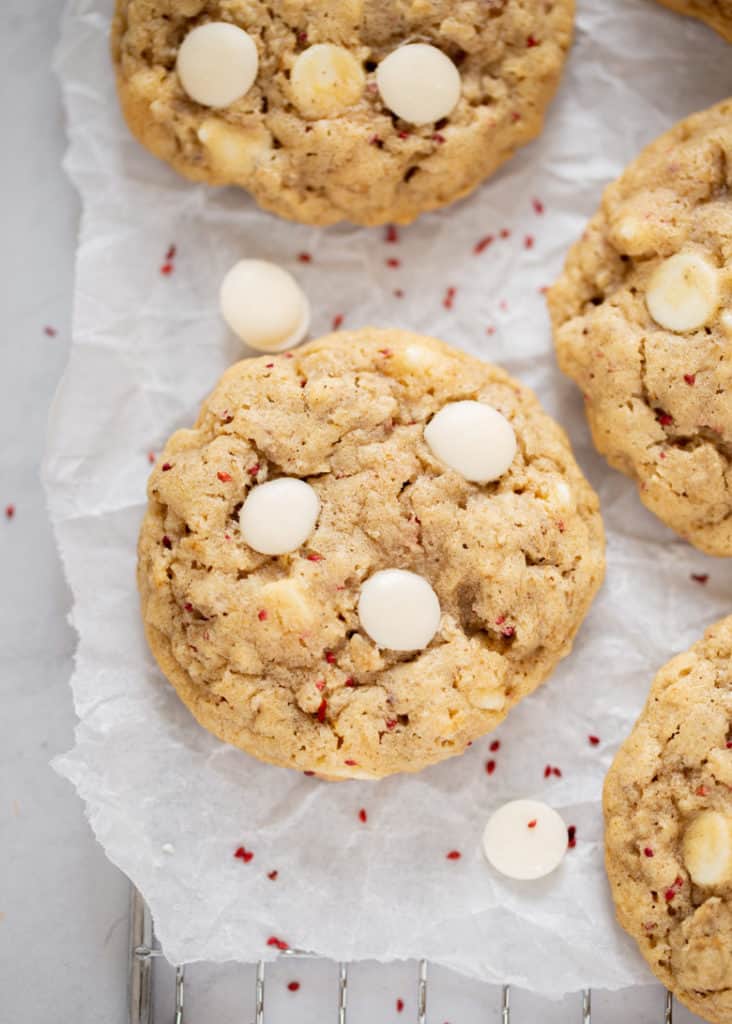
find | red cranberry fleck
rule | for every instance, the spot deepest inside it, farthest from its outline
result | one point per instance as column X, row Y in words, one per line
column 273, row 875
column 188, row 606
column 594, row 740
column 648, row 852
column 293, row 986
column 244, row 854
column 387, row 354
column 439, row 138
column 532, row 823
column 315, row 557
column 363, row 816
column 167, row 269
column 151, row 458
column 398, row 293
column 529, row 242
column 531, row 41
column 262, row 614
column 391, row 723
column 166, row 466
column 308, row 773
column 349, row 682
column 495, row 745
column 701, row 791
column 669, row 895
column 482, row 244
column 320, row 685
column 268, row 366
column 490, row 767
column 515, row 117
column 505, row 233
column 490, row 330
column 277, row 943
column 664, row 418
column 557, row 772
column 322, row 710
column 224, row 477
column 404, row 134
column 50, row 332
column 9, row 511
column 330, row 657
column 167, row 543
column 304, row 257
column 400, row 1005
column 700, row 577
column 500, row 620
column 337, row 321
column 690, row 379
column 571, row 831
column 538, row 206
column 351, row 763
column 508, row 631
column 449, row 298
column 547, row 771
column 393, row 263
column 253, row 470
column 302, row 38
column 377, row 141
column 392, row 234
column 454, row 855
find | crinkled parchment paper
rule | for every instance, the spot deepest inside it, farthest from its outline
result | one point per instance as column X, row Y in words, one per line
column 148, row 347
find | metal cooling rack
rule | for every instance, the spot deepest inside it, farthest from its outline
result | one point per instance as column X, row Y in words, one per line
column 144, row 952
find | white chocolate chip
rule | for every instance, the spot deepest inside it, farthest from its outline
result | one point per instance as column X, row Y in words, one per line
column 168, row 848
column 231, row 150
column 473, row 439
column 683, row 292
column 279, row 516
column 419, row 83
column 326, row 80
column 708, row 849
column 725, row 320
column 264, row 306
column 217, row 64
column 399, row 610
column 525, row 839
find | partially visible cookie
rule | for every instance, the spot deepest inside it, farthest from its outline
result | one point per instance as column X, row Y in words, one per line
column 668, row 827
column 328, row 130
column 642, row 318
column 428, row 581
column 717, row 13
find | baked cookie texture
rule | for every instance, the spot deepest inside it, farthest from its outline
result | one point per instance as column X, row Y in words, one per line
column 716, row 13
column 267, row 652
column 659, row 403
column 359, row 163
column 667, row 798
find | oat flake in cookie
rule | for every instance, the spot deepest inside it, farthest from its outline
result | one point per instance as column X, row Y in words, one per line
column 716, row 13
column 321, row 135
column 269, row 652
column 642, row 318
column 668, row 817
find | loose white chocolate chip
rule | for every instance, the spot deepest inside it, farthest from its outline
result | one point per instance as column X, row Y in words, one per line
column 326, row 80
column 279, row 516
column 419, row 83
column 683, row 292
column 264, row 306
column 217, row 64
column 473, row 439
column 399, row 610
column 708, row 849
column 525, row 839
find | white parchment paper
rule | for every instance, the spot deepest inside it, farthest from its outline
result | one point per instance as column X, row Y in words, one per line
column 168, row 802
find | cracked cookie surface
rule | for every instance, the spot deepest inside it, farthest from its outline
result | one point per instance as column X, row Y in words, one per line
column 668, row 817
column 357, row 161
column 716, row 13
column 268, row 652
column 659, row 400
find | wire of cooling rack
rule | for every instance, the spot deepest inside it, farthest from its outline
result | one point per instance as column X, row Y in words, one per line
column 144, row 951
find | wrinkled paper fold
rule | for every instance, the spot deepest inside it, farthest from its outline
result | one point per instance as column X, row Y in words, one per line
column 146, row 349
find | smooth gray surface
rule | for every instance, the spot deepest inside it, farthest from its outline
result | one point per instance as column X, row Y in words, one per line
column 63, row 906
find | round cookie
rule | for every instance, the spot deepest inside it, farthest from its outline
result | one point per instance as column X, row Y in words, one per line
column 268, row 652
column 716, row 13
column 642, row 317
column 313, row 140
column 668, row 827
